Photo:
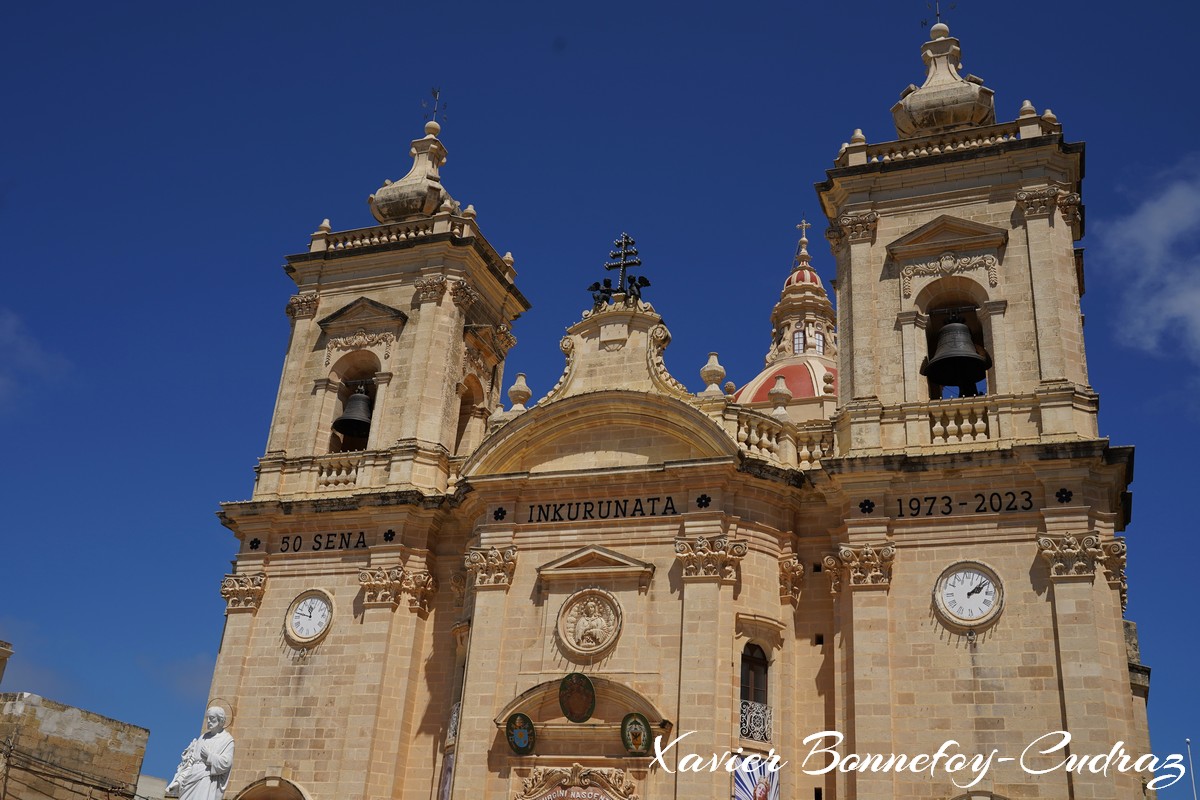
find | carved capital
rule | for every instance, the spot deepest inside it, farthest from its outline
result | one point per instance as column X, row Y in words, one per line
column 949, row 263
column 243, row 592
column 504, row 338
column 1038, row 202
column 859, row 227
column 1070, row 556
column 1114, row 568
column 1071, row 206
column 358, row 340
column 542, row 781
column 458, row 585
column 383, row 587
column 713, row 557
column 866, row 566
column 303, row 305
column 463, row 295
column 420, row 587
column 430, row 289
column 490, row 566
column 791, row 576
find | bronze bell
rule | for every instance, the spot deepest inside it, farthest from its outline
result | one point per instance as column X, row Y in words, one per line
column 955, row 361
column 355, row 420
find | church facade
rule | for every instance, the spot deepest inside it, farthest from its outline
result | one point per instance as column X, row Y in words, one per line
column 905, row 530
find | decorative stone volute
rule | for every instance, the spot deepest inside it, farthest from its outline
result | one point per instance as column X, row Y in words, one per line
column 420, row 192
column 946, row 101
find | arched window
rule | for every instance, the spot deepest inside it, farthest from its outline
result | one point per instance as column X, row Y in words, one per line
column 798, row 341
column 819, row 341
column 754, row 674
column 352, row 374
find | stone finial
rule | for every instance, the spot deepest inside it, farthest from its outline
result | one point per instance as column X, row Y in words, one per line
column 780, row 395
column 858, row 137
column 519, row 394
column 325, row 227
column 469, row 211
column 730, row 387
column 1027, row 110
column 1048, row 116
column 420, row 192
column 508, row 258
column 946, row 101
column 712, row 373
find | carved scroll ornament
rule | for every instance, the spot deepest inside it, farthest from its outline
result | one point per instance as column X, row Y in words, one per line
column 710, row 557
column 949, row 263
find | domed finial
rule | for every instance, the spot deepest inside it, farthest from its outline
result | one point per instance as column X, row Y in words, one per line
column 432, row 128
column 858, row 137
column 325, row 227
column 1027, row 109
column 712, row 373
column 947, row 101
column 939, row 31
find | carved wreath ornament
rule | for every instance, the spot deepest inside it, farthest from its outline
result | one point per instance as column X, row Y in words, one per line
column 589, row 623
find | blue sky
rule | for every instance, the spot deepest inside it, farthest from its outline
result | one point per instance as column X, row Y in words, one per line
column 161, row 159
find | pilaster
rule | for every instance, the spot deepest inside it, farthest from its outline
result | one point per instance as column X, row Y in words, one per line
column 710, row 561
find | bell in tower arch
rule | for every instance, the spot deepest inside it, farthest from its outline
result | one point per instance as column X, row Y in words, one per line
column 355, row 420
column 957, row 361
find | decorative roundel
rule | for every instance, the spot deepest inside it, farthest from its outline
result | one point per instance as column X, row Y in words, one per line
column 520, row 733
column 968, row 595
column 309, row 617
column 589, row 623
column 577, row 697
column 635, row 734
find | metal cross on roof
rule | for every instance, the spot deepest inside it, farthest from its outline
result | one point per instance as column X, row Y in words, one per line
column 625, row 255
column 803, row 227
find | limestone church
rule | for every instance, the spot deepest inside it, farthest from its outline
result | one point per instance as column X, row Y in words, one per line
column 905, row 529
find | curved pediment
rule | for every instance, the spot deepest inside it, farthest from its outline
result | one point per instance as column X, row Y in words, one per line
column 604, row 429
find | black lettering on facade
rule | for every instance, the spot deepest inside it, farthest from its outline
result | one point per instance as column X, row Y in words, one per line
column 344, row 540
column 572, row 511
column 362, row 540
column 669, row 506
column 620, row 508
column 587, row 509
column 637, row 509
column 558, row 509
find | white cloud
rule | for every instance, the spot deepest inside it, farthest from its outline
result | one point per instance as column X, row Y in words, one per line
column 23, row 361
column 1154, row 251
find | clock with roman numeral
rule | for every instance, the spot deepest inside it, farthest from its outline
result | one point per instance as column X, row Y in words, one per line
column 968, row 595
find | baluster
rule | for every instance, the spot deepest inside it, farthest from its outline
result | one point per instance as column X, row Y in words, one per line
column 939, row 428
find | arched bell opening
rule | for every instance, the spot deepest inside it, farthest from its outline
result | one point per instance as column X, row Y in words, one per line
column 957, row 362
column 354, row 377
column 472, row 416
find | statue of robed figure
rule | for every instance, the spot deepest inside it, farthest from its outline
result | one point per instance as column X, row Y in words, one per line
column 203, row 772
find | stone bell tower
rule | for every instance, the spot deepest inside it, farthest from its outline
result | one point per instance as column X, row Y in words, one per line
column 414, row 313
column 959, row 219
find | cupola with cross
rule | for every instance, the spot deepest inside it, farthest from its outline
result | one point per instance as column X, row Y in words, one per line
column 801, row 366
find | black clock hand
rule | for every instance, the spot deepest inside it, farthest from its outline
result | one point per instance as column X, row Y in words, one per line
column 977, row 589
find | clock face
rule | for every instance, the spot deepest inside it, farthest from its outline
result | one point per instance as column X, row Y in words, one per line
column 968, row 594
column 309, row 617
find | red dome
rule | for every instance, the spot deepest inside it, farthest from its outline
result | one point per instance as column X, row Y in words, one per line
column 802, row 276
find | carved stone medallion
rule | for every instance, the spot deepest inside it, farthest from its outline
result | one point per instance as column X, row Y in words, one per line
column 589, row 623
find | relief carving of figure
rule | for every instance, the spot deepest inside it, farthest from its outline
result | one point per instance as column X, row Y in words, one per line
column 591, row 629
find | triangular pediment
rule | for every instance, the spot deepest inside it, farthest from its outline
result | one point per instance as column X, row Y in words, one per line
column 363, row 313
column 946, row 233
column 594, row 562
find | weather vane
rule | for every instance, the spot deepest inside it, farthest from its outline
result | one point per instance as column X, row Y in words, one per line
column 437, row 107
column 936, row 8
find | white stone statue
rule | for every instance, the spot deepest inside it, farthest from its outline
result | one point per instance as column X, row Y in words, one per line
column 203, row 772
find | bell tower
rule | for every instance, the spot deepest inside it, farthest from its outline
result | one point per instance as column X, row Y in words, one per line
column 399, row 334
column 958, row 281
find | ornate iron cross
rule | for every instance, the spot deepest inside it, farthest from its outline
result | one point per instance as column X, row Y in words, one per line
column 625, row 256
